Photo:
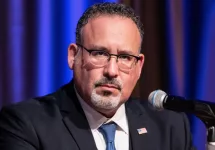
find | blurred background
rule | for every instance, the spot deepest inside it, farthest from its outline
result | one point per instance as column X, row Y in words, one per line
column 179, row 46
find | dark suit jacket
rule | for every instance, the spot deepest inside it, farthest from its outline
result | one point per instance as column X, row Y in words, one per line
column 57, row 122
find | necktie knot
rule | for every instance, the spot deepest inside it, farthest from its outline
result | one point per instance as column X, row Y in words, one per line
column 108, row 131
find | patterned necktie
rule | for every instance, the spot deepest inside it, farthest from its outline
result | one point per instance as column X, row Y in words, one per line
column 108, row 131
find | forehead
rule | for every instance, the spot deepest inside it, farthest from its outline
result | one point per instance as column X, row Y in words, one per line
column 112, row 32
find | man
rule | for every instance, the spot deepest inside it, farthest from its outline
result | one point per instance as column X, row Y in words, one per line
column 95, row 110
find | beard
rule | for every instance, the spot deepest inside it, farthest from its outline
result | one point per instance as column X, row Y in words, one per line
column 106, row 100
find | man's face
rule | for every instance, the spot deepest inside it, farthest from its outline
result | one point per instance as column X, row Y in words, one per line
column 106, row 88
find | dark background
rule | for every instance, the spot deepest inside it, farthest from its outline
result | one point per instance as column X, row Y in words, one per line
column 179, row 48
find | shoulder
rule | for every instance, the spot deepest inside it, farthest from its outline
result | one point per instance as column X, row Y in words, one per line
column 32, row 110
column 16, row 120
column 162, row 117
column 40, row 105
column 31, row 106
column 168, row 124
column 24, row 118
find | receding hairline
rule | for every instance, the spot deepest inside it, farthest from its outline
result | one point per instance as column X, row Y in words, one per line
column 110, row 15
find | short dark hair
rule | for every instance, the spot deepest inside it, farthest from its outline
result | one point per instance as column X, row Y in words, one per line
column 107, row 8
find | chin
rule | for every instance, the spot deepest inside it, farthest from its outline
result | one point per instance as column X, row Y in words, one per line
column 105, row 102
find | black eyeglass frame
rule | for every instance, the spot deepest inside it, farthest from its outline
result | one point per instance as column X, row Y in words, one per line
column 117, row 56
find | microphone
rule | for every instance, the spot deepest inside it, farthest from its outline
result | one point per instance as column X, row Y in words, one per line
column 202, row 109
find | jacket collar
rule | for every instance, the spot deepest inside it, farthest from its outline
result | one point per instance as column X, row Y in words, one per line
column 77, row 124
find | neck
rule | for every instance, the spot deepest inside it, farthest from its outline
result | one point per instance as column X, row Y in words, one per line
column 107, row 113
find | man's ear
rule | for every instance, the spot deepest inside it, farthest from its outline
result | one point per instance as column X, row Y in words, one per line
column 72, row 52
column 140, row 64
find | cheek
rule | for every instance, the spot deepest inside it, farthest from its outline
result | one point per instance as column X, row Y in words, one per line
column 86, row 74
column 87, row 78
column 129, row 82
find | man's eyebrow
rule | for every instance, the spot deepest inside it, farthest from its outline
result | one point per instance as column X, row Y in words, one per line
column 119, row 51
column 99, row 47
column 125, row 52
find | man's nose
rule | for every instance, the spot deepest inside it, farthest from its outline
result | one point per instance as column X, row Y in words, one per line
column 111, row 70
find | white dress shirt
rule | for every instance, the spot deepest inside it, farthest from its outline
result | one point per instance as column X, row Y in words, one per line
column 95, row 120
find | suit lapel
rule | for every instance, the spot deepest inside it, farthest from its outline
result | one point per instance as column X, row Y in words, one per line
column 138, row 119
column 77, row 124
column 79, row 128
column 75, row 120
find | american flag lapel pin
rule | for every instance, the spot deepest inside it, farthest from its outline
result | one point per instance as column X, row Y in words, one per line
column 142, row 131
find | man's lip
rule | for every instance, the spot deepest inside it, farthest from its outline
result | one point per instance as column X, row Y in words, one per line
column 110, row 86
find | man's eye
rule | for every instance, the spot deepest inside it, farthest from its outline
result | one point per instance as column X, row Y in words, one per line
column 99, row 53
column 125, row 57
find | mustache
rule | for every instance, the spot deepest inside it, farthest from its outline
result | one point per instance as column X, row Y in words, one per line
column 113, row 81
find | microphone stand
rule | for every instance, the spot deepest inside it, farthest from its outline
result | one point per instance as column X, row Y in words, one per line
column 211, row 138
column 209, row 121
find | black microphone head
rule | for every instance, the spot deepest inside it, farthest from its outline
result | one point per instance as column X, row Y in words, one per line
column 156, row 99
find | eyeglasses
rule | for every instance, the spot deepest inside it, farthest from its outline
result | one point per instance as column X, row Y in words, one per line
column 101, row 58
